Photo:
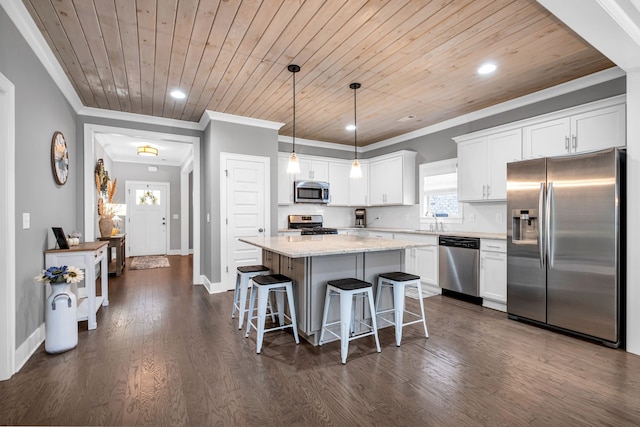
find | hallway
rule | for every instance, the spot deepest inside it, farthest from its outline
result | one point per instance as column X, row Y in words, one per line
column 167, row 353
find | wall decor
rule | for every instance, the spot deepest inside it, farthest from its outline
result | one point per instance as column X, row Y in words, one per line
column 59, row 158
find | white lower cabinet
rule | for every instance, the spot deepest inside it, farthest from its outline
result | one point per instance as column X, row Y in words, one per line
column 493, row 274
column 422, row 261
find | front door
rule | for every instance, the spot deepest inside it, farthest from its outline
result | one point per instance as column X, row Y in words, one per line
column 147, row 218
column 244, row 211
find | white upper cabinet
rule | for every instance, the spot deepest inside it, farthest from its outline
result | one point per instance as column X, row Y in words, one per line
column 313, row 170
column 596, row 126
column 482, row 165
column 359, row 187
column 285, row 181
column 392, row 179
column 339, row 183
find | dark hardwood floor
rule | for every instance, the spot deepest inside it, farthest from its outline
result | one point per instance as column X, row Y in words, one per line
column 167, row 353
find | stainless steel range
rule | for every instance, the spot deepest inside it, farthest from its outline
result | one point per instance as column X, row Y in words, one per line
column 309, row 225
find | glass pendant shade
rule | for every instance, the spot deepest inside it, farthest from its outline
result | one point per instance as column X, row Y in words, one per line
column 356, row 170
column 294, row 165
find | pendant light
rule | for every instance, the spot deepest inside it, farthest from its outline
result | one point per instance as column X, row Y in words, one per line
column 356, row 170
column 294, row 165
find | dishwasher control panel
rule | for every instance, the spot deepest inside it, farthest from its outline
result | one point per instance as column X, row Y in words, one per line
column 459, row 242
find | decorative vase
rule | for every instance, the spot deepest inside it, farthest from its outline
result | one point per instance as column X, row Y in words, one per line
column 60, row 317
column 106, row 226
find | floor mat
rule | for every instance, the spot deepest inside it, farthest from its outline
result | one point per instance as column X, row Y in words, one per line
column 146, row 262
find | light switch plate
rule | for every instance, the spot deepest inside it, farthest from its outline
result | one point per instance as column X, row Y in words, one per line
column 176, row 216
column 26, row 221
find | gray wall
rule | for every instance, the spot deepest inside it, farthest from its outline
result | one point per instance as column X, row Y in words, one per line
column 41, row 109
column 140, row 172
column 223, row 137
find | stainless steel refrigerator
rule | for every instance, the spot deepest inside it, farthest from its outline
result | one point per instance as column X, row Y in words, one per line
column 566, row 243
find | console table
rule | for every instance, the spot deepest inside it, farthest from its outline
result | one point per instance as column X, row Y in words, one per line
column 118, row 244
column 85, row 256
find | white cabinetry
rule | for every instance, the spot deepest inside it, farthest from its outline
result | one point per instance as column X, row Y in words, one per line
column 359, row 187
column 493, row 274
column 392, row 179
column 422, row 261
column 482, row 164
column 313, row 170
column 595, row 126
column 285, row 181
column 339, row 183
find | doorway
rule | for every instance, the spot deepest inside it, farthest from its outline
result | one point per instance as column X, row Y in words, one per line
column 147, row 218
column 190, row 168
column 244, row 211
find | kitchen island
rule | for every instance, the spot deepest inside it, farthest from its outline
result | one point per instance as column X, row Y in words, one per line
column 311, row 261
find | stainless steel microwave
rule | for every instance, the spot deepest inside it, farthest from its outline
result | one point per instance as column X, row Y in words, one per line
column 311, row 192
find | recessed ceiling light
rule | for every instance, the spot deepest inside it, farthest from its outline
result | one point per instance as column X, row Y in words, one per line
column 178, row 94
column 350, row 127
column 487, row 68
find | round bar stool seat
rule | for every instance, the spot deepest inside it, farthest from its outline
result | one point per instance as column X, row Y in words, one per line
column 244, row 274
column 346, row 289
column 261, row 287
column 399, row 281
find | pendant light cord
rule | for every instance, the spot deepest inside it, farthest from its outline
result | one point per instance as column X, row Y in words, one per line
column 355, row 87
column 294, row 111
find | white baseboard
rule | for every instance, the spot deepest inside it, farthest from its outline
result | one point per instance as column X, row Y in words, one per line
column 26, row 350
column 431, row 288
column 180, row 252
column 213, row 288
column 500, row 306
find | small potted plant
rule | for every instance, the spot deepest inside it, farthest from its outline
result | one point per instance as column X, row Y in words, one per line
column 61, row 324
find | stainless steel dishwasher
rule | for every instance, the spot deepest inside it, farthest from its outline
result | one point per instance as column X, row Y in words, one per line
column 459, row 264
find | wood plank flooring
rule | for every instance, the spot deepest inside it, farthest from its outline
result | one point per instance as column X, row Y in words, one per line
column 167, row 353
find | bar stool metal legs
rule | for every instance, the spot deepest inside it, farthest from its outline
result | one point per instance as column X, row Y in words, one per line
column 346, row 289
column 245, row 273
column 261, row 287
column 399, row 282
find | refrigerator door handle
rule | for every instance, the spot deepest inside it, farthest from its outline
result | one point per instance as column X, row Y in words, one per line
column 549, row 225
column 541, row 234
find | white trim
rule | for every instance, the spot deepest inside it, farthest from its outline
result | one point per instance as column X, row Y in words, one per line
column 8, row 232
column 184, row 207
column 137, row 118
column 241, row 120
column 320, row 144
column 30, row 346
column 167, row 212
column 224, row 158
column 22, row 20
column 212, row 288
column 90, row 131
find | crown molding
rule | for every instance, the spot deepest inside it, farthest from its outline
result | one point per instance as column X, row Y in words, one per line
column 209, row 116
column 138, row 118
column 319, row 144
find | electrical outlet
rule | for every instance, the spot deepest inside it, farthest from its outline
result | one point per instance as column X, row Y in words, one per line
column 26, row 221
column 472, row 217
column 499, row 217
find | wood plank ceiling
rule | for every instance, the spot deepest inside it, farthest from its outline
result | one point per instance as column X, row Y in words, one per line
column 412, row 57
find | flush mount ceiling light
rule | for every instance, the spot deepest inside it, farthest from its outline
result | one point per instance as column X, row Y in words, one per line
column 487, row 68
column 178, row 94
column 147, row 150
column 294, row 165
column 356, row 170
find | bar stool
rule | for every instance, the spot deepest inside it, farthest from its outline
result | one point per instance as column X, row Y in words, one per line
column 244, row 274
column 346, row 289
column 262, row 286
column 399, row 282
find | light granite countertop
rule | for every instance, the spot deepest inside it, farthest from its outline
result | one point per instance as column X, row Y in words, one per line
column 328, row 244
column 479, row 235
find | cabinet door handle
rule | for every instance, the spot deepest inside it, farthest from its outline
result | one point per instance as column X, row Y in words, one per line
column 574, row 142
column 484, row 189
column 566, row 143
column 488, row 190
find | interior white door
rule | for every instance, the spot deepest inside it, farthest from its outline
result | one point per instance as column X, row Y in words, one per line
column 246, row 183
column 147, row 215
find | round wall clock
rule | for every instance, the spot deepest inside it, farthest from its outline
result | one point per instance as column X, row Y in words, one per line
column 59, row 158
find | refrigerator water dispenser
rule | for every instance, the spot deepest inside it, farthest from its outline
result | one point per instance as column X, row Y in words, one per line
column 525, row 226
